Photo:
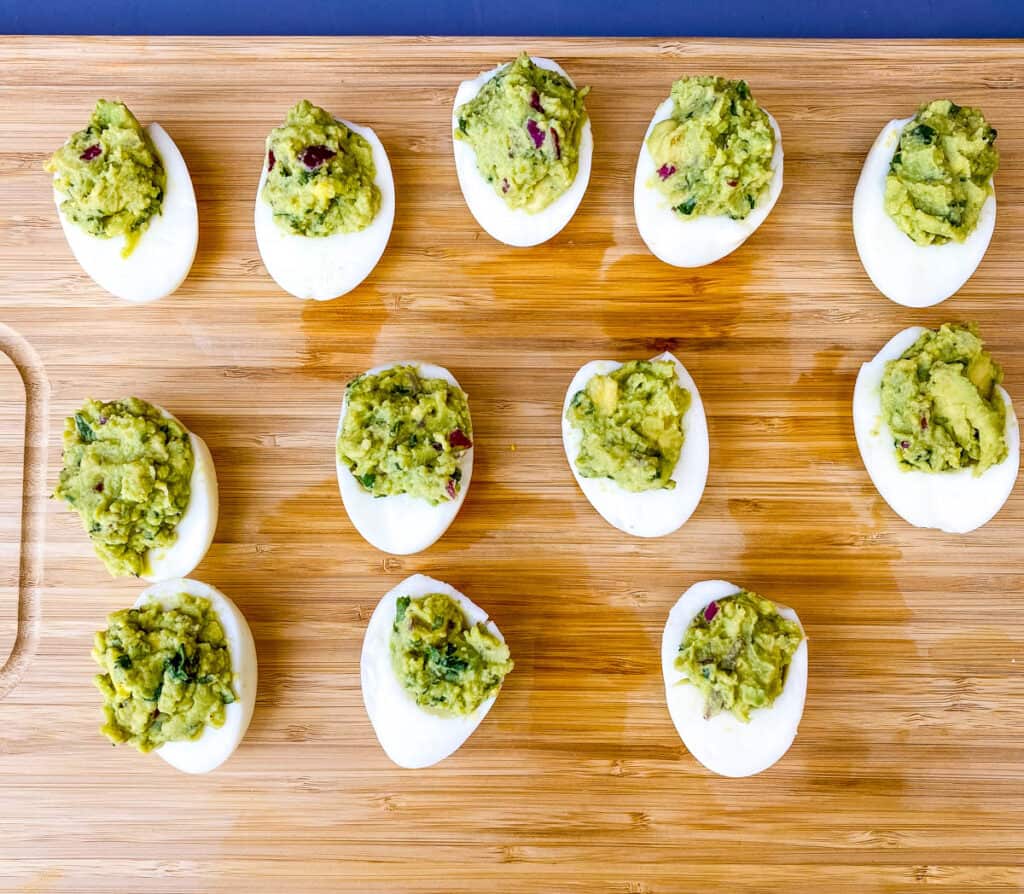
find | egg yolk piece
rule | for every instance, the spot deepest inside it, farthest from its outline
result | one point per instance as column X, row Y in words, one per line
column 632, row 425
column 940, row 402
column 111, row 176
column 446, row 664
column 167, row 672
column 524, row 127
column 127, row 473
column 737, row 652
column 713, row 155
column 320, row 175
column 941, row 173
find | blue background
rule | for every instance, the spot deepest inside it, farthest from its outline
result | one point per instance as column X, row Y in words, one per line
column 722, row 18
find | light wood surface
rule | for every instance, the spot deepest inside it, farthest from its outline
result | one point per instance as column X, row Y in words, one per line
column 909, row 768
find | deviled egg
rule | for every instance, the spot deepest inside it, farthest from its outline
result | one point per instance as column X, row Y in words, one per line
column 735, row 669
column 709, row 172
column 179, row 675
column 404, row 454
column 925, row 205
column 431, row 667
column 325, row 204
column 523, row 149
column 143, row 485
column 936, row 430
column 636, row 439
column 126, row 204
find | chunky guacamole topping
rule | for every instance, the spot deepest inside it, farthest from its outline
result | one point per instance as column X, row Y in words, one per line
column 320, row 175
column 111, row 175
column 403, row 434
column 632, row 425
column 940, row 403
column 448, row 665
column 737, row 652
column 714, row 155
column 166, row 672
column 524, row 126
column 940, row 173
column 127, row 472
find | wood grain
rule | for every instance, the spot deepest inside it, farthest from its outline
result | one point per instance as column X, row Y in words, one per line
column 909, row 768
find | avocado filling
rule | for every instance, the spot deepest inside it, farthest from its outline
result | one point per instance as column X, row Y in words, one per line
column 446, row 664
column 632, row 425
column 127, row 473
column 525, row 126
column 737, row 652
column 166, row 672
column 714, row 155
column 320, row 175
column 941, row 172
column 403, row 434
column 110, row 175
column 940, row 402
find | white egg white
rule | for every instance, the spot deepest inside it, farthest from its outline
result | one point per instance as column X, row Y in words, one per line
column 909, row 274
column 164, row 253
column 516, row 227
column 955, row 502
column 723, row 743
column 411, row 736
column 693, row 242
column 326, row 267
column 651, row 513
column 400, row 524
column 199, row 522
column 215, row 744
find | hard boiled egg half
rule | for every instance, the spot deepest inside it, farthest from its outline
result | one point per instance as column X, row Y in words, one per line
column 198, row 524
column 516, row 226
column 215, row 744
column 723, row 743
column 400, row 524
column 909, row 274
column 649, row 513
column 410, row 735
column 326, row 267
column 955, row 501
column 163, row 255
column 694, row 242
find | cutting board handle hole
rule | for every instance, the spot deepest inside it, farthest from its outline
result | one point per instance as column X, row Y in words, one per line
column 24, row 407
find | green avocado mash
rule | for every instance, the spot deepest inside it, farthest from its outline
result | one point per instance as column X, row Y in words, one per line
column 403, row 434
column 737, row 651
column 127, row 473
column 940, row 174
column 111, row 175
column 320, row 175
column 446, row 664
column 939, row 401
column 714, row 155
column 525, row 126
column 166, row 672
column 632, row 425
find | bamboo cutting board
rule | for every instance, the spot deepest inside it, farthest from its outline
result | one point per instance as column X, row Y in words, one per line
column 909, row 768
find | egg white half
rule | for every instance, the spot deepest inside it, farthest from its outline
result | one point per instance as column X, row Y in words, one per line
column 955, row 502
column 516, row 227
column 165, row 251
column 411, row 736
column 910, row 274
column 326, row 267
column 650, row 513
column 724, row 744
column 199, row 522
column 694, row 242
column 215, row 744
column 400, row 524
